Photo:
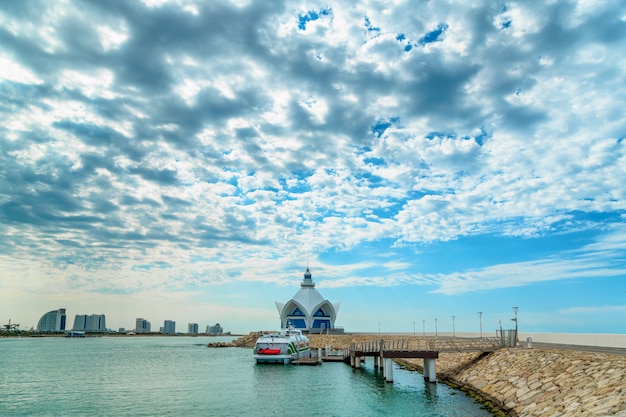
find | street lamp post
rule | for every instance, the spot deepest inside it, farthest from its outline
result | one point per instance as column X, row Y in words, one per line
column 480, row 318
column 515, row 310
column 436, row 328
column 453, row 332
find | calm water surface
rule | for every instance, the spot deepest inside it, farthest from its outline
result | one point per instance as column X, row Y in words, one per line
column 176, row 376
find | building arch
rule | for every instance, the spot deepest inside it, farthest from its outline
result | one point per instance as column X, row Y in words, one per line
column 294, row 314
column 308, row 310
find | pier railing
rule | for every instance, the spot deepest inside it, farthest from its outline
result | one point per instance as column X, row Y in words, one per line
column 430, row 344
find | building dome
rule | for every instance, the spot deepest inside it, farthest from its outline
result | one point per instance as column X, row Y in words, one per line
column 308, row 310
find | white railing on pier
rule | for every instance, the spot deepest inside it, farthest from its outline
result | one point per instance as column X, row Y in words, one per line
column 431, row 344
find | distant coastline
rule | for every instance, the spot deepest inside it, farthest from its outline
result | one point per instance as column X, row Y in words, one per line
column 105, row 334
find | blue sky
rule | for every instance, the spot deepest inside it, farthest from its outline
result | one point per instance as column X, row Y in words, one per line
column 187, row 160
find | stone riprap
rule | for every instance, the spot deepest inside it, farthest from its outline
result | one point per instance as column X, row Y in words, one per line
column 540, row 382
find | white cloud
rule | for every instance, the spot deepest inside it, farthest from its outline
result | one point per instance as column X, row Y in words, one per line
column 595, row 310
column 601, row 259
column 112, row 37
column 13, row 71
column 182, row 130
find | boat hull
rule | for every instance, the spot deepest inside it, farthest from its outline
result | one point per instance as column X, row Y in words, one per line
column 273, row 359
column 281, row 348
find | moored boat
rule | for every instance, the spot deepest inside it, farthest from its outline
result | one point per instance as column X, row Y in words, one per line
column 282, row 347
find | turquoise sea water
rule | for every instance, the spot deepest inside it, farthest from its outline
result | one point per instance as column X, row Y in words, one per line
column 180, row 376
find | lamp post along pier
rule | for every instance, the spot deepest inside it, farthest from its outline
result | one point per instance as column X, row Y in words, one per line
column 453, row 332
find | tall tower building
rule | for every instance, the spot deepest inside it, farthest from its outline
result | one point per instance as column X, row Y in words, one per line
column 169, row 327
column 142, row 326
column 90, row 323
column 52, row 321
column 216, row 329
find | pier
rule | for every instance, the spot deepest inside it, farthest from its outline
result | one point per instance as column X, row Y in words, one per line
column 314, row 358
column 384, row 352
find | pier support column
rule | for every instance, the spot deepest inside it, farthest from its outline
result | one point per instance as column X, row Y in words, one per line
column 352, row 360
column 383, row 367
column 430, row 372
column 388, row 370
column 375, row 362
column 357, row 362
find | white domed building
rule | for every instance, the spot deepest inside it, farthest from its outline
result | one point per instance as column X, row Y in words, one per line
column 308, row 310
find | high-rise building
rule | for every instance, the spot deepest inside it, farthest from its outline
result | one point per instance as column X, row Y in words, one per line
column 217, row 329
column 169, row 327
column 90, row 323
column 52, row 321
column 142, row 326
column 192, row 328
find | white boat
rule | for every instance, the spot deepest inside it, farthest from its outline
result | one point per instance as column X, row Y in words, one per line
column 282, row 347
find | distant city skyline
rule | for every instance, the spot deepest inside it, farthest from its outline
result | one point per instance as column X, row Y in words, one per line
column 183, row 159
column 56, row 321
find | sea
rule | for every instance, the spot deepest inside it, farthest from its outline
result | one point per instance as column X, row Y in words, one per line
column 181, row 376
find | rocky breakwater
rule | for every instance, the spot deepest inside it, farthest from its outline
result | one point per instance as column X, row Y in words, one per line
column 244, row 341
column 540, row 382
column 316, row 341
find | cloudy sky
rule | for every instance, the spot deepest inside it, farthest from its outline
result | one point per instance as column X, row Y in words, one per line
column 186, row 160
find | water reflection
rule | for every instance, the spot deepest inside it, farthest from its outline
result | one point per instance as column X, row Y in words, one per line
column 430, row 393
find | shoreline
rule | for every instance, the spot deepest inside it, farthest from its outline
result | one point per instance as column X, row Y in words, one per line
column 96, row 334
column 520, row 381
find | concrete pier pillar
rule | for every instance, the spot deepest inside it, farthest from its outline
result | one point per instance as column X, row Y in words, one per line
column 384, row 367
column 357, row 362
column 388, row 370
column 375, row 362
column 352, row 360
column 432, row 372
column 426, row 370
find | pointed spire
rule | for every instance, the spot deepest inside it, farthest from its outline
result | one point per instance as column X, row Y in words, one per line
column 308, row 280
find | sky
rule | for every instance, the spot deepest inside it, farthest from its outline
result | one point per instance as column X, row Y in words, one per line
column 187, row 160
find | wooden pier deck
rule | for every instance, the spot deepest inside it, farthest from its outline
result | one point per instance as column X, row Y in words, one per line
column 307, row 361
column 334, row 358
